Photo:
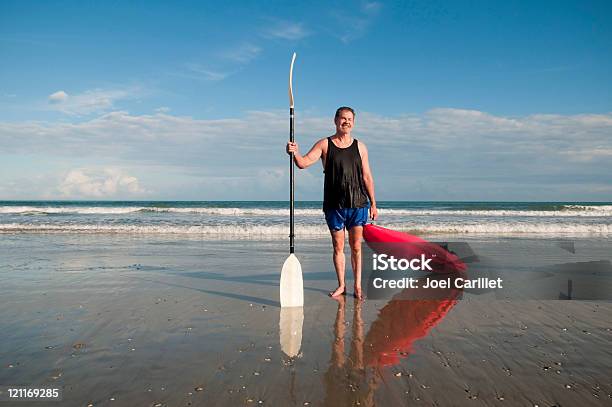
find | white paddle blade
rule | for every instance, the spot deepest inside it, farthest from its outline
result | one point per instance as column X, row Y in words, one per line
column 291, row 283
column 291, row 322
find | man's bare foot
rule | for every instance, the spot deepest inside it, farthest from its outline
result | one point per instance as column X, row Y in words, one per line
column 339, row 291
column 358, row 294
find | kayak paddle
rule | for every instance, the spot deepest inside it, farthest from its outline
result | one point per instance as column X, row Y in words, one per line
column 291, row 283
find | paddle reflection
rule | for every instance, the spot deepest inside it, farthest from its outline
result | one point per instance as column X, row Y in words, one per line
column 290, row 330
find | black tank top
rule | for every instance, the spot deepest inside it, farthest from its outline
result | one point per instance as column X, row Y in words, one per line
column 344, row 186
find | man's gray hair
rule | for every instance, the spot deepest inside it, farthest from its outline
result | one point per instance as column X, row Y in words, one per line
column 342, row 109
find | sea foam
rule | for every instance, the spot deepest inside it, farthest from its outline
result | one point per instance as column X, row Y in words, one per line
column 256, row 231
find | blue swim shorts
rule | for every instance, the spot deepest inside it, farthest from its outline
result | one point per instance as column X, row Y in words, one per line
column 338, row 219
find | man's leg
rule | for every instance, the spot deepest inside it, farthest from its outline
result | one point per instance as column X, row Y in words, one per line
column 338, row 243
column 355, row 235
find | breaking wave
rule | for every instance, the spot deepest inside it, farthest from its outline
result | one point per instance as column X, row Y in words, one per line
column 563, row 211
column 279, row 231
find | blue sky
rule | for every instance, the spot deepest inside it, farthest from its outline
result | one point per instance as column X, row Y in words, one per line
column 187, row 100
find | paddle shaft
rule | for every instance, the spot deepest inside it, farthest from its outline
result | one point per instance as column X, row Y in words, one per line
column 291, row 186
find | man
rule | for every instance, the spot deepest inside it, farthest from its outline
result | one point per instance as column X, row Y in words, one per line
column 348, row 186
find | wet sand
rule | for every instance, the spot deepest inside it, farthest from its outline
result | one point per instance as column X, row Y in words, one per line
column 120, row 321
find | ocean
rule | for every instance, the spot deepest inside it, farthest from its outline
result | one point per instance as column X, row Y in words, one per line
column 171, row 303
column 269, row 219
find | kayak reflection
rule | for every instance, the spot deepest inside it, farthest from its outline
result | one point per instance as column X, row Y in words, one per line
column 401, row 322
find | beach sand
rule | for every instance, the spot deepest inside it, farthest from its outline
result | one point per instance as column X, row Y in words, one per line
column 145, row 321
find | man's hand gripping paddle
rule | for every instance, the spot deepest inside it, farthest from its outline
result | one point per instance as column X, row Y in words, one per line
column 291, row 282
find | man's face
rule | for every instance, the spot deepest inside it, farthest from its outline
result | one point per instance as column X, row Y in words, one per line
column 344, row 122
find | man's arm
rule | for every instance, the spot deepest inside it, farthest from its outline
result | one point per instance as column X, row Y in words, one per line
column 310, row 158
column 368, row 180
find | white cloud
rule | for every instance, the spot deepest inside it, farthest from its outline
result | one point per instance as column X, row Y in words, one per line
column 371, row 7
column 352, row 24
column 465, row 152
column 243, row 53
column 206, row 74
column 100, row 184
column 58, row 97
column 438, row 128
column 286, row 30
column 228, row 63
column 587, row 155
column 90, row 101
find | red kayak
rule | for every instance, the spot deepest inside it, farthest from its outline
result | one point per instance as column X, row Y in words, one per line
column 406, row 246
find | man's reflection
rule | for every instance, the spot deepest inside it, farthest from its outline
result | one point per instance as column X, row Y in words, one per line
column 346, row 379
